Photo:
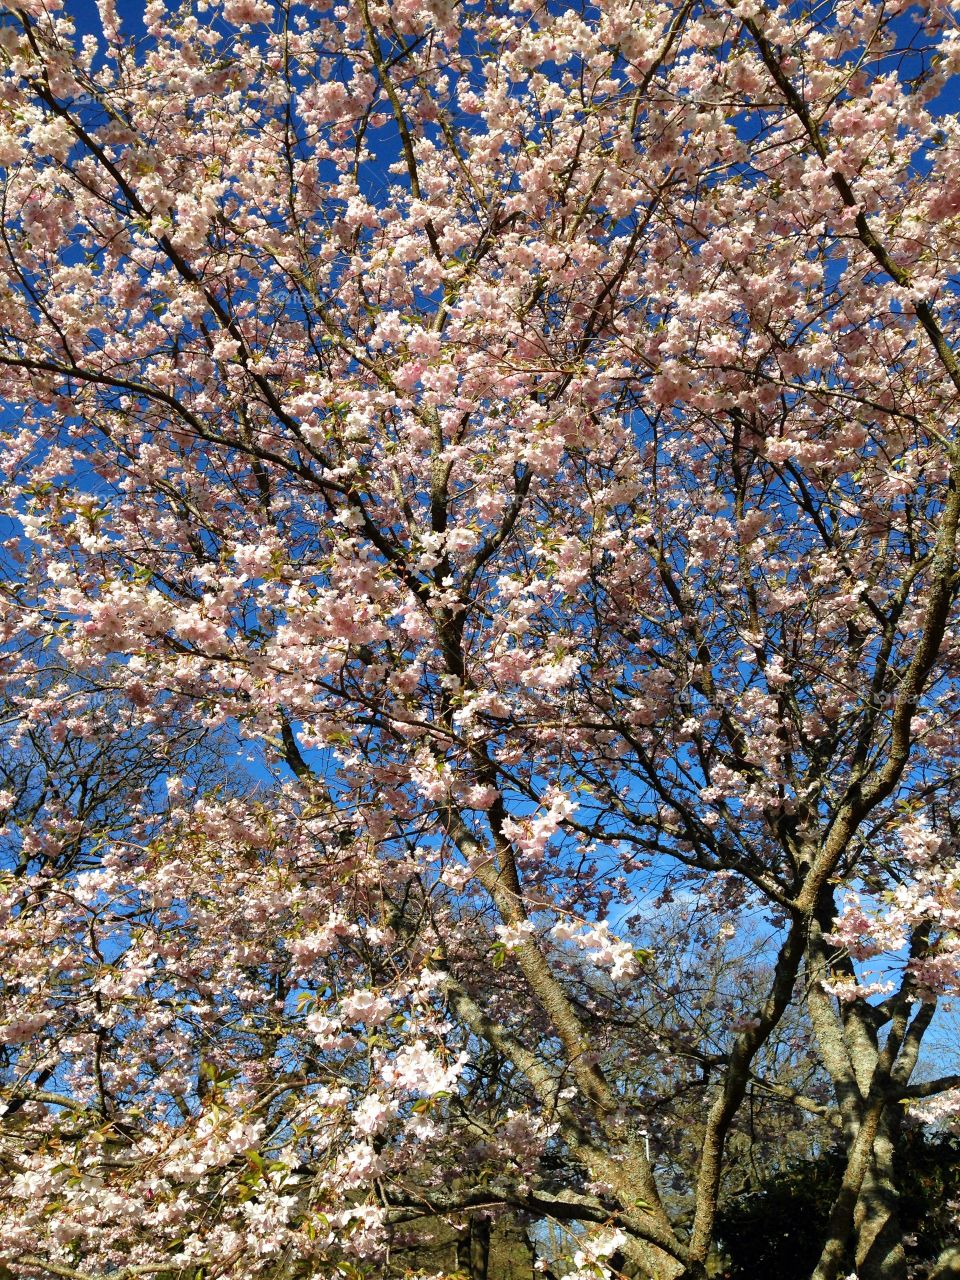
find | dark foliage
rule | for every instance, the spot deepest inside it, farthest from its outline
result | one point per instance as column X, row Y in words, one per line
column 778, row 1229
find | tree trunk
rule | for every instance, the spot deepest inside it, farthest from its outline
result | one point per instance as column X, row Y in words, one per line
column 879, row 1249
column 850, row 1049
column 479, row 1248
column 947, row 1266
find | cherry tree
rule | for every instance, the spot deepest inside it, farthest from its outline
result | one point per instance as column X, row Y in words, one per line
column 532, row 428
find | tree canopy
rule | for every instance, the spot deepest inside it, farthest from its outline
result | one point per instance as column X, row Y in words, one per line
column 530, row 429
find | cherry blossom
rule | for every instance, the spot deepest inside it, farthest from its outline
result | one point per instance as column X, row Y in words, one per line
column 527, row 433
